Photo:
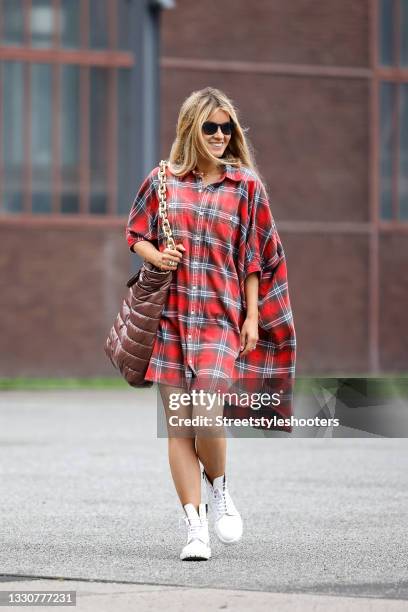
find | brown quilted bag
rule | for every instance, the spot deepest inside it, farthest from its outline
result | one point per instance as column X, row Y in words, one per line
column 130, row 342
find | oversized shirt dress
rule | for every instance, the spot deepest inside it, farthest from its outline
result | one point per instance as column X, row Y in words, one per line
column 228, row 232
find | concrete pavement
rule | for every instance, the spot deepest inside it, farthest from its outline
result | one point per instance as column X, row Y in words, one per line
column 87, row 495
column 121, row 597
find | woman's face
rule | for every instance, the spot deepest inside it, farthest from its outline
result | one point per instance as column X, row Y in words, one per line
column 218, row 142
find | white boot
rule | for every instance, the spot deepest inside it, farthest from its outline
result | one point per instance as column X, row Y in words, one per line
column 228, row 522
column 198, row 540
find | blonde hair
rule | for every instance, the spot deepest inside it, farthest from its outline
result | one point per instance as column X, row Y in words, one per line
column 189, row 142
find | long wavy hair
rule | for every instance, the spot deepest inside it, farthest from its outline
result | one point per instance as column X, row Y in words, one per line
column 189, row 142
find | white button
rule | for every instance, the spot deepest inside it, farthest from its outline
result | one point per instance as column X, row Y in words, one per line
column 200, row 190
column 189, row 335
column 201, row 213
column 231, row 218
column 193, row 311
column 194, row 286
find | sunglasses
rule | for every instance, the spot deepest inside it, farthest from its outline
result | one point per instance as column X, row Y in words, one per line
column 210, row 127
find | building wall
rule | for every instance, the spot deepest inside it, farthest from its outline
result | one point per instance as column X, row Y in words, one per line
column 322, row 32
column 393, row 336
column 61, row 287
column 63, row 274
column 299, row 73
column 309, row 126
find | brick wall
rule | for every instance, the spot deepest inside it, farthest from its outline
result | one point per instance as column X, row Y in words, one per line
column 62, row 285
column 60, row 290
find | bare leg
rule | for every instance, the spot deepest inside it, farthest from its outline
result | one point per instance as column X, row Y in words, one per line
column 211, row 444
column 212, row 454
column 183, row 460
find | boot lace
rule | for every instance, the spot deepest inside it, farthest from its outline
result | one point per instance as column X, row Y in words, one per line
column 195, row 528
column 222, row 502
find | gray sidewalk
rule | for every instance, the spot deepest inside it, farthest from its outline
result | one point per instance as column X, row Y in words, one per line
column 87, row 495
column 106, row 597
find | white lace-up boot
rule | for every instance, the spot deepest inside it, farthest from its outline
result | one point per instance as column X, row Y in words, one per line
column 198, row 540
column 228, row 522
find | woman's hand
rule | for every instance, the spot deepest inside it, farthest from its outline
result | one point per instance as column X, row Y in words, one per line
column 163, row 258
column 249, row 334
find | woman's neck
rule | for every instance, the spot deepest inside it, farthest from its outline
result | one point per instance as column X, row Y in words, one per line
column 207, row 168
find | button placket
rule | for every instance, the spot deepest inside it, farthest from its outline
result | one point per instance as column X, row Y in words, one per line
column 194, row 275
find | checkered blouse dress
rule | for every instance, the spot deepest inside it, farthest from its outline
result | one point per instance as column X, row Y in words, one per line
column 228, row 232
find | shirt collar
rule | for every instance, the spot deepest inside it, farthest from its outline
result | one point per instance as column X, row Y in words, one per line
column 231, row 172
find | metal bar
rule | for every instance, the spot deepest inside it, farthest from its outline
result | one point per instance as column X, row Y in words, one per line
column 56, row 115
column 84, row 139
column 84, row 24
column 112, row 24
column 84, row 172
column 86, row 57
column 56, row 161
column 374, row 256
column 27, row 7
column 396, row 113
column 392, row 74
column 120, row 220
column 1, row 118
column 27, row 116
column 60, row 220
column 265, row 68
column 1, row 140
column 396, row 33
column 56, row 9
column 112, row 145
column 393, row 226
column 396, row 153
column 56, row 141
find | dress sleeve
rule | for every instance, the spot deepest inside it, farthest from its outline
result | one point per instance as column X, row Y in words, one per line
column 144, row 214
column 262, row 242
column 262, row 252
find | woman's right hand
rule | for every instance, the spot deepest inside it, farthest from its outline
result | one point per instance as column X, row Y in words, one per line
column 163, row 258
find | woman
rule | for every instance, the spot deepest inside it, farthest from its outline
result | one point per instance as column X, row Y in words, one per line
column 228, row 312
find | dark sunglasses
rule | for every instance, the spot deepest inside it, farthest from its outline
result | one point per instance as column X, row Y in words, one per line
column 210, row 127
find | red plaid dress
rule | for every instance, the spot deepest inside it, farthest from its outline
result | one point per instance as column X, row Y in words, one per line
column 228, row 232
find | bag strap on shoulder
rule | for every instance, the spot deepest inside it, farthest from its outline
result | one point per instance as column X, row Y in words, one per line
column 163, row 206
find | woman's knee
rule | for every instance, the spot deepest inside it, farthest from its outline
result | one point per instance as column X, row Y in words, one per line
column 182, row 444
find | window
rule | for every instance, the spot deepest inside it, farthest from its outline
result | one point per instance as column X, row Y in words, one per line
column 392, row 70
column 65, row 74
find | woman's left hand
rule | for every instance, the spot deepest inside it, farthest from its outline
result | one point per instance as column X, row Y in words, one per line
column 249, row 335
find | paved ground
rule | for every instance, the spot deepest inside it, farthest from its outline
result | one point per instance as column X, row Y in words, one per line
column 106, row 597
column 86, row 495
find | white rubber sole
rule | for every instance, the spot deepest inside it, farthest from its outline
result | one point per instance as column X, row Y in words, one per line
column 195, row 551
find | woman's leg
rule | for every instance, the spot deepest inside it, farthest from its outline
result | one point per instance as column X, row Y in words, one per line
column 212, row 453
column 183, row 460
column 211, row 443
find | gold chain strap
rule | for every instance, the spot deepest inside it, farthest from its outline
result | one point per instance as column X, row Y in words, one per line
column 162, row 206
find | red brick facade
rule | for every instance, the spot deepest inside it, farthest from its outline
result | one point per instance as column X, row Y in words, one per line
column 300, row 74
